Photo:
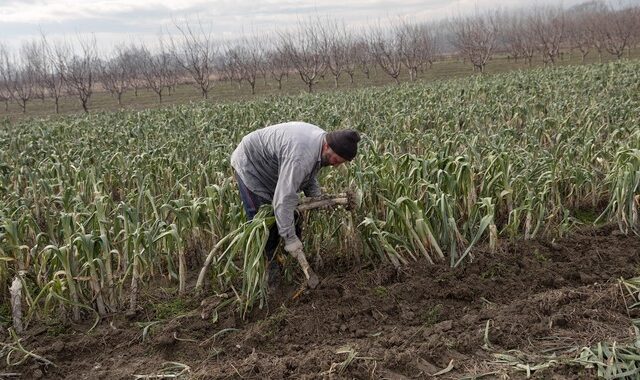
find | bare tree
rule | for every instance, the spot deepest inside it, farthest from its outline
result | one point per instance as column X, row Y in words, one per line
column 231, row 65
column 132, row 58
column 475, row 37
column 228, row 66
column 549, row 26
column 618, row 29
column 114, row 74
column 18, row 75
column 175, row 74
column 34, row 53
column 340, row 46
column 305, row 49
column 363, row 56
column 510, row 36
column 636, row 34
column 196, row 52
column 277, row 65
column 579, row 34
column 417, row 46
column 156, row 70
column 385, row 49
column 247, row 57
column 595, row 30
column 50, row 73
column 263, row 43
column 518, row 37
column 79, row 71
column 4, row 95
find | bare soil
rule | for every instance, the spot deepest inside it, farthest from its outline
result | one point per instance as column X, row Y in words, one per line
column 532, row 299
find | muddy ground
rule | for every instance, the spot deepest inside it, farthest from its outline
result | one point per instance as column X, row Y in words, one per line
column 532, row 299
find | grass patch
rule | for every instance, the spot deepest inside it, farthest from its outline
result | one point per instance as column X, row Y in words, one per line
column 539, row 256
column 381, row 291
column 5, row 314
column 169, row 309
column 432, row 316
column 587, row 216
column 271, row 325
column 57, row 329
column 493, row 272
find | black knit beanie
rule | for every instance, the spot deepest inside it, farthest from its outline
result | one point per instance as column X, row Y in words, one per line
column 344, row 143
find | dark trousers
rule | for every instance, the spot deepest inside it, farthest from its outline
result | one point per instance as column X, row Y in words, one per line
column 251, row 203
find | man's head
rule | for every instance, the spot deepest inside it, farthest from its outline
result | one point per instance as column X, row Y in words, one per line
column 339, row 147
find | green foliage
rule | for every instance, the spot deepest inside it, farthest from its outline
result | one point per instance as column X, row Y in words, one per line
column 493, row 271
column 381, row 291
column 170, row 308
column 432, row 315
column 57, row 329
column 5, row 314
column 539, row 256
column 586, row 216
column 96, row 207
column 617, row 360
column 270, row 326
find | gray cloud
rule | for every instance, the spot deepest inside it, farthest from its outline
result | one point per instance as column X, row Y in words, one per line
column 120, row 21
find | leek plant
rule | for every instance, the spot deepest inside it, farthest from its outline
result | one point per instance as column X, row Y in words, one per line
column 96, row 207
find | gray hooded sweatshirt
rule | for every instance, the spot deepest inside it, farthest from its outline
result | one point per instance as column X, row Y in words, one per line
column 278, row 162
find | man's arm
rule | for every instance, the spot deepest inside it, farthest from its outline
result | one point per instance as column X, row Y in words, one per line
column 285, row 199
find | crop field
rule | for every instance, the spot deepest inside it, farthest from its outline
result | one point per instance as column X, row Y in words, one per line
column 496, row 235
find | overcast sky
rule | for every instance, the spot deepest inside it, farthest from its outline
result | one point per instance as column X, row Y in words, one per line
column 117, row 21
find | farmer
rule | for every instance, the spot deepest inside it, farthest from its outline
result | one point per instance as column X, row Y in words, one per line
column 273, row 164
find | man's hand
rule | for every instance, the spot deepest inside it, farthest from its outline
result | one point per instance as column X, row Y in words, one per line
column 312, row 278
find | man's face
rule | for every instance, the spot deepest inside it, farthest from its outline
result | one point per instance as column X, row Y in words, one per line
column 329, row 157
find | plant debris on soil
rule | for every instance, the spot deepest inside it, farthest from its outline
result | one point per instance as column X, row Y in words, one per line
column 533, row 302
